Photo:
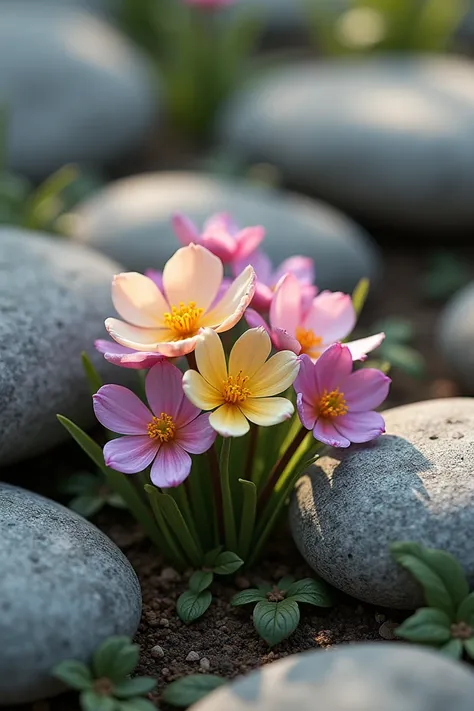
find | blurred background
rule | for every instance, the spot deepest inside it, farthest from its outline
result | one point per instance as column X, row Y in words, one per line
column 345, row 127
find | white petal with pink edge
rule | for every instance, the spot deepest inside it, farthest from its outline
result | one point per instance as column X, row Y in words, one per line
column 138, row 300
column 229, row 310
column 193, row 274
column 134, row 337
column 362, row 346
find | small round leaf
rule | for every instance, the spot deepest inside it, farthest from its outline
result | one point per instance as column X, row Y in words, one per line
column 134, row 687
column 200, row 580
column 227, row 563
column 247, row 596
column 191, row 606
column 74, row 674
column 275, row 621
column 190, row 689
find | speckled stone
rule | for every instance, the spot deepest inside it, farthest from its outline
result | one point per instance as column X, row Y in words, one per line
column 54, row 297
column 65, row 587
column 77, row 90
column 356, row 677
column 387, row 139
column 415, row 483
column 130, row 220
column 455, row 333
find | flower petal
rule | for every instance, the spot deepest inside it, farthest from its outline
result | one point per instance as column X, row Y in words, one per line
column 134, row 337
column 275, row 376
column 156, row 277
column 231, row 307
column 130, row 455
column 301, row 267
column 305, row 381
column 193, row 274
column 138, row 300
column 284, row 342
column 267, row 411
column 174, row 349
column 365, row 389
column 306, row 411
column 210, row 358
column 248, row 240
column 120, row 410
column 171, row 466
column 285, row 311
column 250, row 352
column 164, row 389
column 255, row 320
column 197, row 436
column 221, row 244
column 362, row 346
column 360, row 426
column 184, row 229
column 228, row 421
column 333, row 367
column 325, row 432
column 126, row 357
column 331, row 316
column 199, row 392
column 261, row 264
column 262, row 297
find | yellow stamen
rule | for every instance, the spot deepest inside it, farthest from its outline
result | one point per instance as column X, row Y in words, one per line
column 308, row 341
column 162, row 428
column 332, row 404
column 183, row 320
column 234, row 388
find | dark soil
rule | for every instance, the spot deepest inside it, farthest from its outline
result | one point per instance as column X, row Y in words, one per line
column 225, row 636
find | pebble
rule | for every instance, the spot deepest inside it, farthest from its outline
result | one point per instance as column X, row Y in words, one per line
column 387, row 630
column 357, row 677
column 66, row 76
column 164, row 622
column 205, row 664
column 416, row 483
column 193, row 657
column 130, row 220
column 157, row 651
column 332, row 128
column 455, row 335
column 54, row 297
column 65, row 588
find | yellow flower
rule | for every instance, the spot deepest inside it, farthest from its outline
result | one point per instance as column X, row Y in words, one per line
column 169, row 322
column 243, row 390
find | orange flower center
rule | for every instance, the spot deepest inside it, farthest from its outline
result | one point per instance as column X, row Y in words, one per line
column 332, row 404
column 162, row 428
column 183, row 320
column 308, row 341
column 234, row 388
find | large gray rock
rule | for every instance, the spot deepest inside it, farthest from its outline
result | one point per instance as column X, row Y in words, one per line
column 65, row 587
column 356, row 677
column 456, row 335
column 130, row 220
column 99, row 6
column 415, row 483
column 54, row 297
column 76, row 90
column 387, row 139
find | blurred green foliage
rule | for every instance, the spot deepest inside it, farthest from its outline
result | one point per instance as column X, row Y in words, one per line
column 396, row 350
column 447, row 273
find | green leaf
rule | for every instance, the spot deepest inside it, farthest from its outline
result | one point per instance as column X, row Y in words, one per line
column 227, row 563
column 452, row 649
column 191, row 689
column 465, row 611
column 447, row 273
column 285, row 583
column 115, row 658
column 137, row 704
column 396, row 329
column 93, row 377
column 312, row 592
column 75, row 674
column 426, row 626
column 178, row 525
column 469, row 647
column 406, row 358
column 211, row 557
column 248, row 516
column 200, row 580
column 90, row 701
column 360, row 294
column 86, row 505
column 82, row 483
column 247, row 596
column 134, row 687
column 275, row 621
column 86, row 443
column 442, row 578
column 191, row 606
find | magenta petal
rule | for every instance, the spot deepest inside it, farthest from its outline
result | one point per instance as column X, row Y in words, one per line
column 254, row 320
column 362, row 346
column 171, row 466
column 331, row 316
column 185, row 229
column 306, row 412
column 261, row 263
column 126, row 357
column 164, row 389
column 248, row 240
column 305, row 381
column 365, row 389
column 262, row 297
column 111, row 347
column 197, row 436
column 333, row 367
column 284, row 342
column 301, row 267
column 360, row 426
column 120, row 410
column 325, row 432
column 130, row 455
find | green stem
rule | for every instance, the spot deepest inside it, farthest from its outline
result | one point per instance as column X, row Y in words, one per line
column 179, row 494
column 217, row 491
column 280, row 466
column 228, row 509
column 249, row 512
column 254, row 432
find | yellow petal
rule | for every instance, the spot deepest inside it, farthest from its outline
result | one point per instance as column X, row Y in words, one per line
column 228, row 421
column 138, row 300
column 275, row 376
column 199, row 392
column 266, row 411
column 231, row 307
column 139, row 339
column 250, row 352
column 192, row 274
column 210, row 358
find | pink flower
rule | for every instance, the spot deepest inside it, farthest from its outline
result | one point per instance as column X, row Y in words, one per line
column 312, row 326
column 267, row 278
column 125, row 357
column 337, row 404
column 164, row 434
column 220, row 236
column 208, row 4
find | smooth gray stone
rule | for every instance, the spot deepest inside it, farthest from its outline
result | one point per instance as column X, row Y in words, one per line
column 358, row 677
column 130, row 220
column 65, row 587
column 104, row 7
column 54, row 297
column 75, row 88
column 387, row 139
column 455, row 335
column 415, row 483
